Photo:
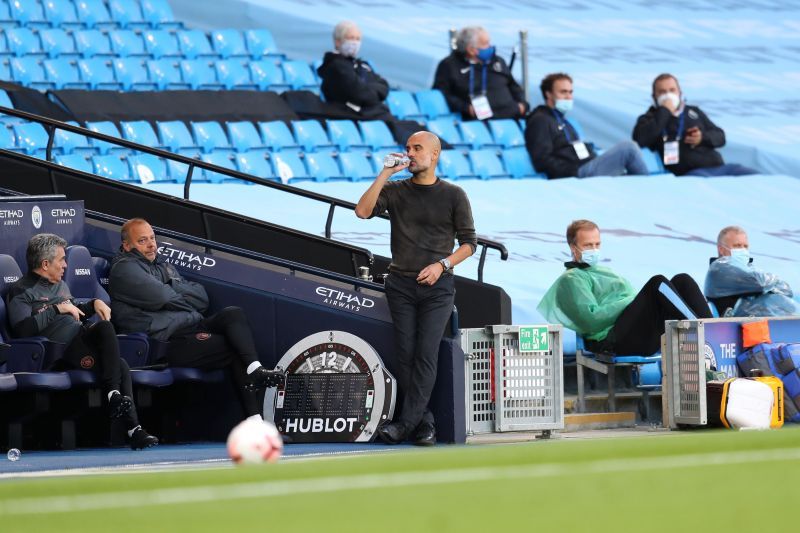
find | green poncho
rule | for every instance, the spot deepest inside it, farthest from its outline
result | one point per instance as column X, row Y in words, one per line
column 587, row 300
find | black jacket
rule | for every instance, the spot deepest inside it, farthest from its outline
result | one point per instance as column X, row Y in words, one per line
column 503, row 92
column 547, row 143
column 649, row 133
column 346, row 80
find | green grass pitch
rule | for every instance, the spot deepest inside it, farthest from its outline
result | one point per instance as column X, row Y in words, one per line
column 677, row 482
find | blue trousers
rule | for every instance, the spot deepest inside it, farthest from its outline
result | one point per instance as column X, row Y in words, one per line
column 730, row 169
column 623, row 158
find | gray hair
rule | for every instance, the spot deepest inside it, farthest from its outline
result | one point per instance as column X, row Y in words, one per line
column 468, row 37
column 724, row 233
column 42, row 247
column 342, row 28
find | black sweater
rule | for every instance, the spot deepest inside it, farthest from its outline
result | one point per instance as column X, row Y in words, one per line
column 549, row 146
column 346, row 80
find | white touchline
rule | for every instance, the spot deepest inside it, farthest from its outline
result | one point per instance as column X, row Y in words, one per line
column 262, row 489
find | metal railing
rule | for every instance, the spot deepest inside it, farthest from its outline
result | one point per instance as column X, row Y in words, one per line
column 52, row 125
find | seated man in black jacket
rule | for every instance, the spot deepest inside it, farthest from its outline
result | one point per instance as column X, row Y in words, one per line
column 40, row 304
column 349, row 80
column 683, row 135
column 149, row 295
column 556, row 148
column 476, row 82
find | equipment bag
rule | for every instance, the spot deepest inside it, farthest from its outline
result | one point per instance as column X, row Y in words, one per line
column 781, row 361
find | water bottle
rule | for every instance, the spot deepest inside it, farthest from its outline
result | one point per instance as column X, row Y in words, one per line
column 393, row 160
column 13, row 454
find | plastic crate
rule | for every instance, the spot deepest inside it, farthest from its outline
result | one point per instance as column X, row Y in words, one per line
column 529, row 393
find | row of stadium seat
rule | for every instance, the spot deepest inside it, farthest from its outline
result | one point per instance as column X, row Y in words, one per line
column 87, row 13
column 185, row 44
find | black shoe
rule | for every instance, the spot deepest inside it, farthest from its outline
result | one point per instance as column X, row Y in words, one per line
column 425, row 435
column 393, row 433
column 119, row 405
column 262, row 378
column 142, row 439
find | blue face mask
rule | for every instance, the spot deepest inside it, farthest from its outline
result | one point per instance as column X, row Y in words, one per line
column 740, row 257
column 565, row 106
column 591, row 257
column 486, row 54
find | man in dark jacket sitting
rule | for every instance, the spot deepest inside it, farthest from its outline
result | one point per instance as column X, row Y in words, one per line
column 149, row 295
column 349, row 80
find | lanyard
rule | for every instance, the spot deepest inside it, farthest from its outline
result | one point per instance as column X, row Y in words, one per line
column 564, row 126
column 680, row 128
column 472, row 80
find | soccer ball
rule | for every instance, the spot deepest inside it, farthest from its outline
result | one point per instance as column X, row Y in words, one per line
column 253, row 441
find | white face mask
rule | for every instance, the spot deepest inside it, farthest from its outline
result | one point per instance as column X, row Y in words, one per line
column 676, row 100
column 350, row 48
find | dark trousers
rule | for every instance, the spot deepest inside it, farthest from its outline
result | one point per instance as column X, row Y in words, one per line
column 729, row 169
column 96, row 349
column 638, row 329
column 218, row 341
column 419, row 313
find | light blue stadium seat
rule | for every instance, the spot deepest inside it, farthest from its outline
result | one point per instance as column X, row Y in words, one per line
column 175, row 136
column 140, row 132
column 194, row 44
column 346, row 136
column 23, row 42
column 312, row 137
column 454, row 165
column 256, row 163
column 90, row 43
column 220, row 159
column 28, row 13
column 125, row 43
column 64, row 73
column 28, row 71
column 166, row 74
column 200, row 74
column 5, row 70
column 477, row 134
column 82, row 162
column 147, row 168
column 298, row 74
column 211, row 137
column 8, row 141
column 506, row 132
column 161, row 43
column 323, row 166
column 159, row 14
column 176, row 172
column 127, row 14
column 132, row 74
column 445, row 128
column 31, row 137
column 356, row 166
column 655, row 165
column 487, row 164
column 99, row 73
column 66, row 142
column 432, row 104
column 5, row 101
column 229, row 43
column 4, row 51
column 377, row 136
column 403, row 105
column 106, row 128
column 289, row 167
column 260, row 43
column 518, row 163
column 94, row 14
column 244, row 137
column 61, row 14
column 268, row 76
column 58, row 43
column 233, row 74
column 277, row 136
column 111, row 166
column 6, row 20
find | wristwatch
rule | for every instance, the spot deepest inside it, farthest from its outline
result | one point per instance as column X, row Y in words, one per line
column 446, row 264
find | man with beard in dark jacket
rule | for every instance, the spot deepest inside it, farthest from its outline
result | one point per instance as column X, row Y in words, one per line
column 476, row 82
column 149, row 295
column 349, row 80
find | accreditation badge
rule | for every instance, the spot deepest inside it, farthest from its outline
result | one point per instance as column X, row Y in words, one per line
column 671, row 153
column 580, row 150
column 482, row 108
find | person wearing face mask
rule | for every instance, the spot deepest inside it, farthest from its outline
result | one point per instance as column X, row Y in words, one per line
column 603, row 307
column 476, row 82
column 736, row 288
column 682, row 134
column 350, row 80
column 555, row 147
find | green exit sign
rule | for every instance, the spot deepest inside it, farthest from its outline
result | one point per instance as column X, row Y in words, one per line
column 534, row 339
